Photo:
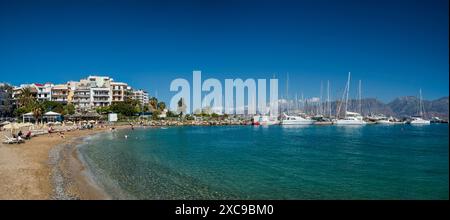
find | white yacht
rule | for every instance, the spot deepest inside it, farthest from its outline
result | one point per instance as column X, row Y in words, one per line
column 385, row 120
column 296, row 120
column 418, row 120
column 351, row 118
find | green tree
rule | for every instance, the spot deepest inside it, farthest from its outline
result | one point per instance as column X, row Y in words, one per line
column 22, row 110
column 26, row 97
column 7, row 106
column 161, row 106
column 181, row 107
column 155, row 114
column 69, row 109
column 171, row 114
column 52, row 106
column 137, row 107
column 127, row 108
column 38, row 111
column 189, row 117
column 103, row 109
column 146, row 108
column 153, row 103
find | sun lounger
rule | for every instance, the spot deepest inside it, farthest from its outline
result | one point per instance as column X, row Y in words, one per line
column 9, row 140
column 38, row 132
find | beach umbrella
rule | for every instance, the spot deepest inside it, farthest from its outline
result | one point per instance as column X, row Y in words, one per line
column 15, row 126
column 12, row 126
column 27, row 124
column 5, row 123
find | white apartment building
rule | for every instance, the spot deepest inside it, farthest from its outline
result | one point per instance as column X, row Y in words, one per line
column 141, row 96
column 92, row 92
column 82, row 94
column 17, row 91
column 89, row 93
column 99, row 81
column 44, row 91
column 60, row 93
column 118, row 91
column 100, row 97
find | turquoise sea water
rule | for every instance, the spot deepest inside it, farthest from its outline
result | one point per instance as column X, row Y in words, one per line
column 245, row 162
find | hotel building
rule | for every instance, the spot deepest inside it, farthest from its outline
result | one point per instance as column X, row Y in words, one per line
column 119, row 91
column 44, row 91
column 17, row 91
column 141, row 96
column 82, row 95
column 59, row 93
column 86, row 94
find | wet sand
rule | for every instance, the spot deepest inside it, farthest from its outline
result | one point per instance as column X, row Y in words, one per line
column 46, row 167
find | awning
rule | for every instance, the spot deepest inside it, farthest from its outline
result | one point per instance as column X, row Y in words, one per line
column 50, row 113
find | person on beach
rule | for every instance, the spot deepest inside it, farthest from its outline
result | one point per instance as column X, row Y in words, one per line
column 50, row 131
column 20, row 133
column 28, row 135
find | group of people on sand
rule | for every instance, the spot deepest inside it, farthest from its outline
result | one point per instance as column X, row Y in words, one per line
column 51, row 131
column 19, row 136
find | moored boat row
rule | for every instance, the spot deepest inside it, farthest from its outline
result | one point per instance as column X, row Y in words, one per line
column 345, row 118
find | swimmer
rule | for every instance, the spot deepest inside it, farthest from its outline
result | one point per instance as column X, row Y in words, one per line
column 126, row 136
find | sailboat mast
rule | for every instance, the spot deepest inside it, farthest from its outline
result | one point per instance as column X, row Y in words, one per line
column 420, row 103
column 348, row 89
column 296, row 103
column 303, row 105
column 328, row 99
column 287, row 91
column 359, row 98
column 321, row 96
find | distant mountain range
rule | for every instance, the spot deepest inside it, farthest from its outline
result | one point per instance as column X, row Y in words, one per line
column 401, row 107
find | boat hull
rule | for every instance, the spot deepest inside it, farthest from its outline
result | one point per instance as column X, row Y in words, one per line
column 384, row 122
column 421, row 122
column 305, row 122
column 350, row 122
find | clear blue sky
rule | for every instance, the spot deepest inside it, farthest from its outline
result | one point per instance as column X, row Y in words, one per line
column 395, row 47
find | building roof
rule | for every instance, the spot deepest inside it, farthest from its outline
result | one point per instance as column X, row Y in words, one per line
column 50, row 113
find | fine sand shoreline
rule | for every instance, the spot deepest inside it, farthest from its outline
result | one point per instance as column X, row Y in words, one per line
column 47, row 167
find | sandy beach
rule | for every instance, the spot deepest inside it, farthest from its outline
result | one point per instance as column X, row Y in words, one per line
column 46, row 167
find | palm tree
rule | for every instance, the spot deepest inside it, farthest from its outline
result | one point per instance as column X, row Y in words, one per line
column 161, row 106
column 37, row 111
column 153, row 102
column 26, row 97
column 181, row 107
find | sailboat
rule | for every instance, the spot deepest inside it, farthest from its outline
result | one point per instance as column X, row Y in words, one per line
column 418, row 120
column 350, row 118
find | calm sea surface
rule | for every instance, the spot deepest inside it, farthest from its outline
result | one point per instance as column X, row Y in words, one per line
column 276, row 162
